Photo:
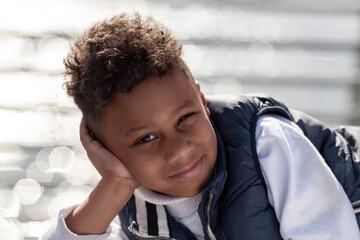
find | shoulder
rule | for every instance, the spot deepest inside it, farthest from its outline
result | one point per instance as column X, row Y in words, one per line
column 272, row 125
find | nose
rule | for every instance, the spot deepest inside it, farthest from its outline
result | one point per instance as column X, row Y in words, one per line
column 178, row 147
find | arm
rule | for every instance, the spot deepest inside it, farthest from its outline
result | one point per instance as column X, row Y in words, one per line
column 308, row 200
column 95, row 214
column 113, row 191
column 60, row 230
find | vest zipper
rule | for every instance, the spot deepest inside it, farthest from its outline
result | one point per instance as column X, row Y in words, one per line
column 356, row 206
column 138, row 236
column 209, row 233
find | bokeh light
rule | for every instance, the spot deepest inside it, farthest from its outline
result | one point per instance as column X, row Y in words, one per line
column 9, row 229
column 9, row 204
column 62, row 159
column 266, row 29
column 28, row 191
column 40, row 171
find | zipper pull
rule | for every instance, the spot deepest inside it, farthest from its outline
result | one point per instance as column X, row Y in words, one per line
column 356, row 206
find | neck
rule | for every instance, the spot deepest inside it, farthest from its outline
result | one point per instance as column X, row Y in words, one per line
column 177, row 206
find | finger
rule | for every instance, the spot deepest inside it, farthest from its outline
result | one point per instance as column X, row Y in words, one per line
column 85, row 137
column 91, row 145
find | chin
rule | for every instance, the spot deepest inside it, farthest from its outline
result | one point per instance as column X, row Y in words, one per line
column 189, row 192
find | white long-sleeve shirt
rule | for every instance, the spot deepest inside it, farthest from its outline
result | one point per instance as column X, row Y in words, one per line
column 308, row 200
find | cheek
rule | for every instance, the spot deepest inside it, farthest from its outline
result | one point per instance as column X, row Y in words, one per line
column 203, row 135
column 143, row 168
column 204, row 129
column 208, row 137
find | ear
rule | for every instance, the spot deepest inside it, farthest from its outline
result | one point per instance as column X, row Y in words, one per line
column 203, row 99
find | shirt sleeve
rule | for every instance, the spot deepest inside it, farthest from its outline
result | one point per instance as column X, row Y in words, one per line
column 60, row 230
column 308, row 200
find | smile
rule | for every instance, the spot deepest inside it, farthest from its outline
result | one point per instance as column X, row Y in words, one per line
column 189, row 171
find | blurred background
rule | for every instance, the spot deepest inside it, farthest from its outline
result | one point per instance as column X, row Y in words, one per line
column 305, row 53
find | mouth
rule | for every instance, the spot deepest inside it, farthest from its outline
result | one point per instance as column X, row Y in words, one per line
column 190, row 170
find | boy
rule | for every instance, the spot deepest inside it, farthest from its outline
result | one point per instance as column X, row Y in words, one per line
column 177, row 166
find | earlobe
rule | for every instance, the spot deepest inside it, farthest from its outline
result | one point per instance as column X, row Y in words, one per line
column 203, row 100
column 207, row 111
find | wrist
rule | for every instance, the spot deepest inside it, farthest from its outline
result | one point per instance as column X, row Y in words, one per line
column 121, row 185
column 106, row 200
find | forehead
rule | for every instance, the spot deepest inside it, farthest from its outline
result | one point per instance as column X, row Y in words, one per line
column 150, row 99
column 155, row 90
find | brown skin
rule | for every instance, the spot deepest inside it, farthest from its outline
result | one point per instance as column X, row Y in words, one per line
column 158, row 136
column 173, row 132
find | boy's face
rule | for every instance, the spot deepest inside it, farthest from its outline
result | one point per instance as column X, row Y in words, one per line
column 161, row 131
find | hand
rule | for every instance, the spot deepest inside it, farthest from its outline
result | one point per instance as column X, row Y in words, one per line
column 106, row 163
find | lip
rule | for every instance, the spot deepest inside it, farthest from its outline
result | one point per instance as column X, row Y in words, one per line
column 189, row 171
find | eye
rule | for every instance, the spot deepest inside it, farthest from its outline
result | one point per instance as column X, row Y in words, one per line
column 146, row 139
column 184, row 118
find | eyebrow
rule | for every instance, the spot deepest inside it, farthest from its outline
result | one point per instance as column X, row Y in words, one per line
column 186, row 104
column 177, row 110
column 135, row 129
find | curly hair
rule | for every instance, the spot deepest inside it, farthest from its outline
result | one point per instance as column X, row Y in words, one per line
column 114, row 56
